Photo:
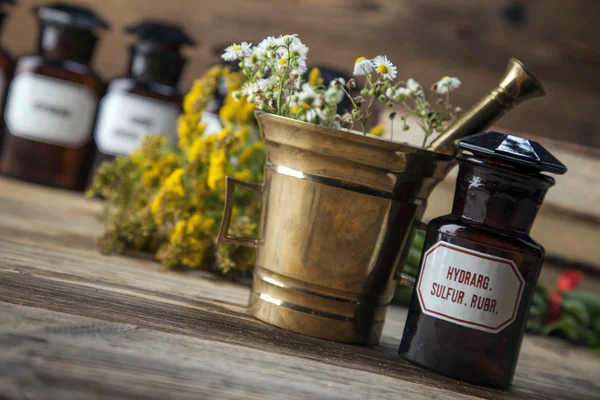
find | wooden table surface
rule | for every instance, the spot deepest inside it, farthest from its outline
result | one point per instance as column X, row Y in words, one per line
column 77, row 324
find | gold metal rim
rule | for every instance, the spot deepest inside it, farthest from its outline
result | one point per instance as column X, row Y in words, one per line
column 280, row 169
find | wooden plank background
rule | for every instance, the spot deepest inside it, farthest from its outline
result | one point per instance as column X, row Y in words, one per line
column 425, row 38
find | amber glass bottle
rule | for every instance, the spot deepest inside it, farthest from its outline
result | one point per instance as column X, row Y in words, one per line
column 52, row 101
column 6, row 67
column 480, row 266
column 147, row 100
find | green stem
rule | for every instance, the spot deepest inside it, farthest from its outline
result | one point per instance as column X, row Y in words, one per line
column 288, row 104
column 280, row 94
column 282, row 81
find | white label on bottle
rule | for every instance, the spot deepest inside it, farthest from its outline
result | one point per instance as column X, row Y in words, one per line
column 469, row 288
column 124, row 119
column 212, row 123
column 50, row 110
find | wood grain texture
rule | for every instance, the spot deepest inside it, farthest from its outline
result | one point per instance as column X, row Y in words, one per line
column 67, row 357
column 75, row 323
column 427, row 39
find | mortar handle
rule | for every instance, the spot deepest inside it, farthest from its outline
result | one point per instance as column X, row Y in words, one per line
column 403, row 278
column 224, row 237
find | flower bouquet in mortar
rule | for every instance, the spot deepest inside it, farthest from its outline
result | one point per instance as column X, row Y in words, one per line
column 275, row 67
column 166, row 198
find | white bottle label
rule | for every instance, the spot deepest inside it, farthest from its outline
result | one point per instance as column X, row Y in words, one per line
column 469, row 288
column 124, row 119
column 50, row 110
column 212, row 123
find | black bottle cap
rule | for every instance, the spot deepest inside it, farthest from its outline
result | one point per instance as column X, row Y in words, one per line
column 512, row 150
column 68, row 14
column 160, row 32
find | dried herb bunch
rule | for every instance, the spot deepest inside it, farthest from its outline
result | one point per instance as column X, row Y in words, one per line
column 167, row 199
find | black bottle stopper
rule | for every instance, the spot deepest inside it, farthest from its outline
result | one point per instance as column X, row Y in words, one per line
column 70, row 15
column 512, row 150
column 68, row 31
column 156, row 56
column 160, row 32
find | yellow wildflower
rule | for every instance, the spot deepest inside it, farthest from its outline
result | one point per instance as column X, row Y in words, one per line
column 245, row 112
column 162, row 167
column 242, row 134
column 246, row 153
column 178, row 231
column 314, row 77
column 216, row 176
column 197, row 148
column 197, row 224
column 192, row 99
column 174, row 185
column 156, row 208
column 377, row 130
column 224, row 132
column 196, row 250
column 227, row 112
column 218, row 157
column 242, row 175
column 189, row 127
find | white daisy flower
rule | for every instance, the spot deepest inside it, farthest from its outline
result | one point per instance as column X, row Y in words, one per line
column 299, row 68
column 300, row 48
column 333, row 95
column 250, row 90
column 309, row 96
column 313, row 114
column 362, row 66
column 413, row 85
column 263, row 84
column 337, row 82
column 335, row 92
column 403, row 92
column 287, row 40
column 237, row 51
column 255, row 57
column 384, row 67
column 447, row 84
column 267, row 43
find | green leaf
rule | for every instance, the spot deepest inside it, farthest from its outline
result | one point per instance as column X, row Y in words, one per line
column 566, row 327
column 402, row 296
column 414, row 256
column 595, row 325
column 534, row 326
column 590, row 300
column 577, row 310
column 535, row 312
column 590, row 338
column 410, row 270
column 419, row 240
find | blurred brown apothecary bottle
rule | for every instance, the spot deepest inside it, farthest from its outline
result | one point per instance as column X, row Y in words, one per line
column 147, row 100
column 52, row 101
column 7, row 66
column 479, row 266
